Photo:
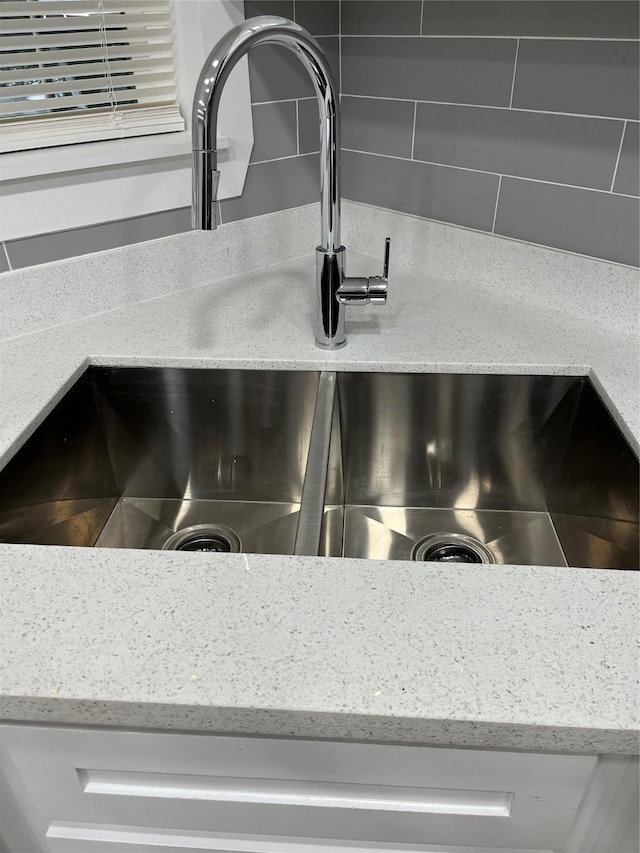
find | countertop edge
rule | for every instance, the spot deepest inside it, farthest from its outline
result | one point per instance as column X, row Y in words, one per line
column 289, row 723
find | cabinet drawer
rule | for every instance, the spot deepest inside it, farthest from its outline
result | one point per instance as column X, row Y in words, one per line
column 297, row 789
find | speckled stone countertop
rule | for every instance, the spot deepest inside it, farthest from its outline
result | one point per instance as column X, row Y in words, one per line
column 512, row 657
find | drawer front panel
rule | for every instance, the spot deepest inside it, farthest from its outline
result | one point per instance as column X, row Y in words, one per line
column 306, row 789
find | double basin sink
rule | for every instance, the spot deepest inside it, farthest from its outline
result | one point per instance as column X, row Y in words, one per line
column 527, row 470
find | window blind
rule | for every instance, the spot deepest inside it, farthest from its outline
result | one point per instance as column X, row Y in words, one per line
column 84, row 70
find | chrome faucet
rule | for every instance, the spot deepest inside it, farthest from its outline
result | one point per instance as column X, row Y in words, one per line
column 334, row 291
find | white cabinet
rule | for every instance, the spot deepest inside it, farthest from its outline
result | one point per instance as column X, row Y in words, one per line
column 88, row 791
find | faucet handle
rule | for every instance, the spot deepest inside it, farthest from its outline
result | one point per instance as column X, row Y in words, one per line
column 362, row 290
column 387, row 250
column 379, row 284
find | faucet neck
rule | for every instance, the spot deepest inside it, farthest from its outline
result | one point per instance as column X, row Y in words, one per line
column 223, row 58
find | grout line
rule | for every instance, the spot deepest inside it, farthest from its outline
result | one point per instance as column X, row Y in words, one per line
column 487, row 37
column 421, row 17
column 486, row 172
column 424, row 162
column 280, row 101
column 288, row 157
column 495, row 212
column 615, row 168
column 513, row 79
column 489, row 107
column 297, row 130
column 413, row 135
column 6, row 254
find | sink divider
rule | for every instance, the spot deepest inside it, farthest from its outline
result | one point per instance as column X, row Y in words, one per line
column 315, row 480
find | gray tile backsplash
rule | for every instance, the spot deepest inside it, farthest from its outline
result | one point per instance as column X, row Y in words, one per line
column 320, row 17
column 275, row 185
column 308, row 126
column 591, row 223
column 435, row 192
column 531, row 103
column 513, row 116
column 628, row 174
column 275, row 74
column 381, row 17
column 597, row 19
column 283, row 8
column 4, row 259
column 275, row 129
column 463, row 71
column 597, row 78
column 545, row 146
column 378, row 126
column 43, row 248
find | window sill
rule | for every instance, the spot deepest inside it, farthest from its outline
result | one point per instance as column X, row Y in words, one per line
column 97, row 155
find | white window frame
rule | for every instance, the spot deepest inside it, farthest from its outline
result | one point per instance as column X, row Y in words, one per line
column 71, row 186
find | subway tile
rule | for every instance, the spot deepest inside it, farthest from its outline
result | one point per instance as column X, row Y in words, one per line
column 44, row 248
column 435, row 192
column 275, row 131
column 468, row 71
column 382, row 17
column 599, row 224
column 282, row 8
column 377, row 126
column 275, row 185
column 588, row 77
column 564, row 149
column 319, row 17
column 368, row 124
column 550, row 18
column 627, row 177
column 4, row 264
column 276, row 74
column 308, row 126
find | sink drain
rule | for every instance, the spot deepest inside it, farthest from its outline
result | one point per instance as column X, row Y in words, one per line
column 452, row 548
column 204, row 537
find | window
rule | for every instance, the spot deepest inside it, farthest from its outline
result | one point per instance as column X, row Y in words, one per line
column 85, row 70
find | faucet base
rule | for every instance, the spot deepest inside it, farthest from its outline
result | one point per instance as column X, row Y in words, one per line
column 331, row 346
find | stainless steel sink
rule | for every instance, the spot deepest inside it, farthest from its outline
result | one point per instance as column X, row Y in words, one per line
column 445, row 467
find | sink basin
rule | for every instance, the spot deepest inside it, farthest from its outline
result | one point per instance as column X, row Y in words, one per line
column 530, row 470
column 130, row 456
